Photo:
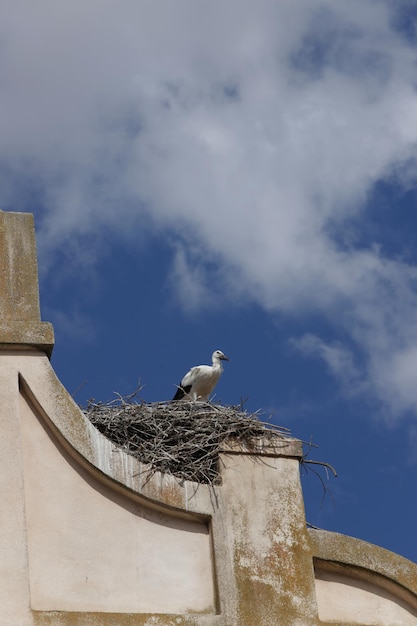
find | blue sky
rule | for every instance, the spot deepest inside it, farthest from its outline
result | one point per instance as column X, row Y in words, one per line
column 240, row 176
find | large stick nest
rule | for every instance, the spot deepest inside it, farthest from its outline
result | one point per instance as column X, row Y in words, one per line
column 180, row 438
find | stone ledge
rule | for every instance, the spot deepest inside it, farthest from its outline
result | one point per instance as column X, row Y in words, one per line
column 24, row 334
column 330, row 547
column 264, row 446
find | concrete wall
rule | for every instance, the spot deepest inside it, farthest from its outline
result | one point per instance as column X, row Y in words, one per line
column 93, row 549
column 359, row 583
column 85, row 539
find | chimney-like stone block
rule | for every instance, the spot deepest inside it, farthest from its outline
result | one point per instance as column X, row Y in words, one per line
column 20, row 320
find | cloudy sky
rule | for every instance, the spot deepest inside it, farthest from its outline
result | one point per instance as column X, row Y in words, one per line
column 239, row 176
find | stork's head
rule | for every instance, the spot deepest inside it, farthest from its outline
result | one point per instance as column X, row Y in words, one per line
column 218, row 355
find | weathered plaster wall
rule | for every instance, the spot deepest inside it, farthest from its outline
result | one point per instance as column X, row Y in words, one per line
column 350, row 599
column 262, row 514
column 96, row 539
column 87, row 539
column 93, row 549
column 14, row 584
column 360, row 583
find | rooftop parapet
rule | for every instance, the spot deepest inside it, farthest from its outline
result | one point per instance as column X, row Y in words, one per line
column 92, row 535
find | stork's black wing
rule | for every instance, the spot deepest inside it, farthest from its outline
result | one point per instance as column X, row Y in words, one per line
column 181, row 391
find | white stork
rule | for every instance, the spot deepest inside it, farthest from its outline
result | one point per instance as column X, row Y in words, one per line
column 200, row 381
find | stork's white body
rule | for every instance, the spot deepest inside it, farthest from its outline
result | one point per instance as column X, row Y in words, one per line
column 199, row 382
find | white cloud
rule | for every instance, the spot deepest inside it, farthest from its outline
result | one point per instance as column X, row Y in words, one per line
column 188, row 281
column 338, row 359
column 259, row 128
